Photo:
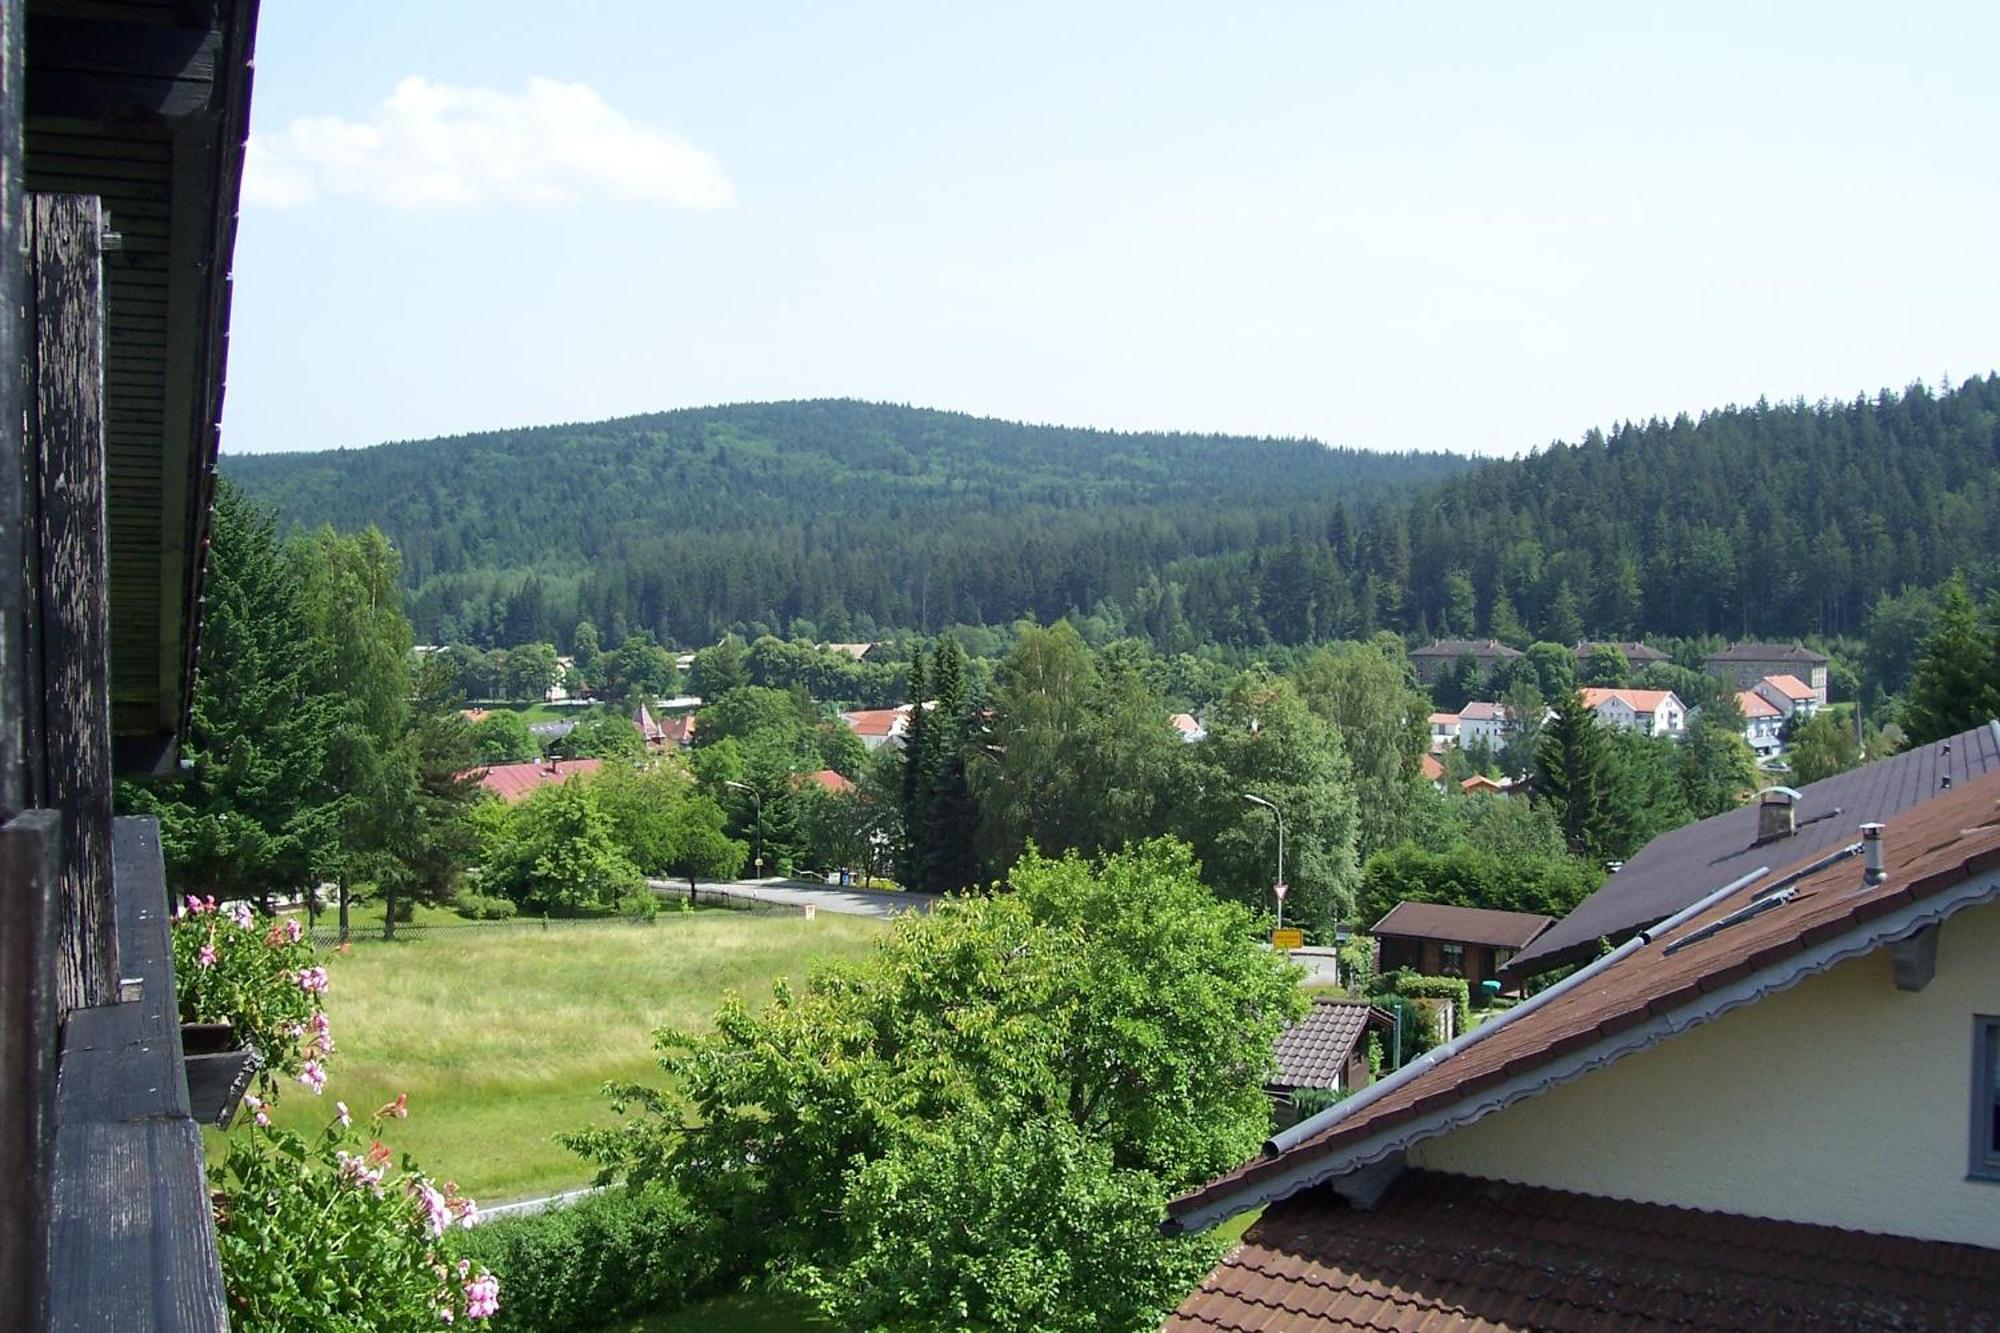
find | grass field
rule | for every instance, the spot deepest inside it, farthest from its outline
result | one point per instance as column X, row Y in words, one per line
column 502, row 1037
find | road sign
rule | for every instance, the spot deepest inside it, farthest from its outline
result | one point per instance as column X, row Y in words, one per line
column 1281, row 889
column 1288, row 939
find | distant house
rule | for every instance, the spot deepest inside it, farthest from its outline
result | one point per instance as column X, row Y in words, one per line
column 878, row 727
column 1444, row 731
column 1432, row 770
column 1482, row 722
column 1327, row 1050
column 1761, row 719
column 1638, row 655
column 828, row 779
column 559, row 692
column 514, row 782
column 1748, row 663
column 1432, row 662
column 1648, row 712
column 857, row 651
column 1188, row 727
column 1439, row 940
column 664, row 733
column 1481, row 785
column 1777, row 1110
column 1788, row 694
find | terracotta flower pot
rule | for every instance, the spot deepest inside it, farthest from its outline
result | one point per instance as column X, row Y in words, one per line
column 218, row 1071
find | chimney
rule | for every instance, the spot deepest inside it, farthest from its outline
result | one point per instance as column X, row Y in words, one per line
column 1776, row 813
column 1871, row 850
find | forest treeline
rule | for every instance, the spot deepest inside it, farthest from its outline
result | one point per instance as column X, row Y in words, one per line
column 849, row 520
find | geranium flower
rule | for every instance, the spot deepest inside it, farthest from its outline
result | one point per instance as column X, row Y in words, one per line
column 206, row 958
column 340, row 1108
column 482, row 1296
column 312, row 980
column 400, row 1108
column 240, row 914
column 437, row 1214
column 256, row 1105
column 313, row 1076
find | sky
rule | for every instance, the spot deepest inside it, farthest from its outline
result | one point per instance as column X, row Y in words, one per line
column 1474, row 227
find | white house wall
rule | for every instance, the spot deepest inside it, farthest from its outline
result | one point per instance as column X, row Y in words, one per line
column 1842, row 1101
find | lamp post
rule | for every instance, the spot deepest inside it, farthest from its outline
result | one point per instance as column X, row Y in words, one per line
column 1280, row 886
column 757, row 800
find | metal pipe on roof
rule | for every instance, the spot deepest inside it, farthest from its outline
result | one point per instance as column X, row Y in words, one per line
column 1339, row 1111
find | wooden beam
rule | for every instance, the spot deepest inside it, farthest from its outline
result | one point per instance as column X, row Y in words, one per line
column 15, row 696
column 1914, row 960
column 66, row 444
column 29, row 1022
column 91, row 69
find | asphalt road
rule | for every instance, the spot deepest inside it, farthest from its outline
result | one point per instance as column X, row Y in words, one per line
column 802, row 893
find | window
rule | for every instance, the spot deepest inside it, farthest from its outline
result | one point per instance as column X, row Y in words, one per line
column 1451, row 961
column 1985, row 1098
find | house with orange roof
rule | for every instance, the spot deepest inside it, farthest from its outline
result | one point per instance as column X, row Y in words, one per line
column 1761, row 720
column 878, row 727
column 1777, row 1107
column 516, row 782
column 1648, row 712
column 1188, row 727
column 1789, row 695
column 1444, row 731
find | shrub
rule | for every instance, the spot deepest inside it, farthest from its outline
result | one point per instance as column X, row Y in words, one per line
column 641, row 906
column 480, row 907
column 314, row 1236
column 616, row 1253
column 230, row 968
column 1414, row 986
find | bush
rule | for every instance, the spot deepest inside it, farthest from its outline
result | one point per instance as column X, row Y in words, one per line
column 479, row 907
column 1469, row 877
column 1413, row 986
column 641, row 906
column 617, row 1253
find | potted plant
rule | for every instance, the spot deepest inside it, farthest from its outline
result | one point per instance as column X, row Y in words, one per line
column 249, row 997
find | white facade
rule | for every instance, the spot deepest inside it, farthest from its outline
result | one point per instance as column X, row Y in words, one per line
column 1842, row 1101
column 1648, row 712
column 1482, row 723
column 1786, row 701
column 1444, row 731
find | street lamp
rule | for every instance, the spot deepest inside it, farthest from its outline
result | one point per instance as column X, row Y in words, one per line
column 757, row 800
column 1280, row 886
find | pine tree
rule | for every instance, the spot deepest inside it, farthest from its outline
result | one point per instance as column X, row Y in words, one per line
column 950, row 862
column 1574, row 775
column 1957, row 685
column 916, row 785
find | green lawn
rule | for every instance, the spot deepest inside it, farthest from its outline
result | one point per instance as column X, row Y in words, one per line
column 502, row 1037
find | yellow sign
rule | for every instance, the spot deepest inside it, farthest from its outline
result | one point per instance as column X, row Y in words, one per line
column 1288, row 939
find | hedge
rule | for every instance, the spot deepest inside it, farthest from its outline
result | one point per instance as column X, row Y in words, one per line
column 621, row 1252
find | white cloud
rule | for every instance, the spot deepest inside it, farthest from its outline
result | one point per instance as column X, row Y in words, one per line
column 432, row 145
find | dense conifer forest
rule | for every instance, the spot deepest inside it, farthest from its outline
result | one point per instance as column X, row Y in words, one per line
column 853, row 519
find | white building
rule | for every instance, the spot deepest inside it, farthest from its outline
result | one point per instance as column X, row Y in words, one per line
column 1648, row 712
column 1788, row 694
column 1761, row 720
column 1444, row 732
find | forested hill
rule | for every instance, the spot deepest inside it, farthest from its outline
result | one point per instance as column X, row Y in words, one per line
column 1765, row 521
column 690, row 521
column 1762, row 521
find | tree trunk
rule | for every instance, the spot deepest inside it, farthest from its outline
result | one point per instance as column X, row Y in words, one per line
column 341, row 889
column 389, row 914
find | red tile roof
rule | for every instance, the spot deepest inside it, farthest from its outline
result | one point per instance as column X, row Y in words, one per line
column 1791, row 687
column 1482, row 710
column 875, row 721
column 1450, row 1252
column 1639, row 701
column 1755, row 705
column 511, row 782
column 1462, row 925
column 830, row 779
column 1431, row 769
column 1313, row 1051
column 1927, row 850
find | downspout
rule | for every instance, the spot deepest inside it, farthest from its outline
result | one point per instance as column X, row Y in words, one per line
column 1284, row 1140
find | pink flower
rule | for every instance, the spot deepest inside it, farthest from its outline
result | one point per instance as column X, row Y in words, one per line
column 256, row 1105
column 437, row 1214
column 322, row 1032
column 240, row 914
column 293, row 930
column 482, row 1296
column 313, row 1076
column 464, row 1267
column 312, row 980
column 206, row 958
column 356, row 1172
column 445, row 1314
column 345, row 1119
column 400, row 1108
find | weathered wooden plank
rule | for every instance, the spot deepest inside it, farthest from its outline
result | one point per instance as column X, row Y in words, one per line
column 29, row 1021
column 131, row 1198
column 15, row 696
column 66, row 439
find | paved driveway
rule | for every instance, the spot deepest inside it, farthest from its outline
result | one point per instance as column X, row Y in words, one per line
column 803, row 893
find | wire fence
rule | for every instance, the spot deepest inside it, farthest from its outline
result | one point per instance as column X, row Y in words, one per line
column 324, row 935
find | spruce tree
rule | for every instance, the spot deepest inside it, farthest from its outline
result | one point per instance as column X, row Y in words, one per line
column 916, row 787
column 1957, row 685
column 950, row 862
column 1574, row 776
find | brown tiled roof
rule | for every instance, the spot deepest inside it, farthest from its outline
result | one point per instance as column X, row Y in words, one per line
column 511, row 782
column 1451, row 1252
column 831, row 779
column 1927, row 850
column 1456, row 648
column 875, row 721
column 1462, row 925
column 1637, row 654
column 1755, row 705
column 1677, row 868
column 1791, row 687
column 1313, row 1051
column 1769, row 652
column 1430, row 768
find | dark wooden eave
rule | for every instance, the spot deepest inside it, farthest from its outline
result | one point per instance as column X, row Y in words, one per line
column 145, row 103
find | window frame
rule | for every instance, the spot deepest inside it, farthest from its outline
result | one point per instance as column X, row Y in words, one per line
column 1445, row 951
column 1983, row 1140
